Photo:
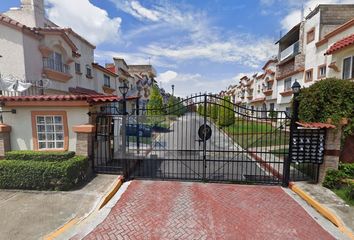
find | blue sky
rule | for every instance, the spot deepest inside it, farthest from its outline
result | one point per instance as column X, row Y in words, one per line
column 197, row 45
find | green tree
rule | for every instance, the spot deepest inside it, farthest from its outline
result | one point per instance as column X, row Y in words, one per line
column 329, row 98
column 175, row 106
column 214, row 111
column 226, row 115
column 155, row 104
column 200, row 109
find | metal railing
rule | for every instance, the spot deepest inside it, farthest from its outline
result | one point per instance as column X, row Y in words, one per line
column 35, row 89
column 59, row 67
column 290, row 51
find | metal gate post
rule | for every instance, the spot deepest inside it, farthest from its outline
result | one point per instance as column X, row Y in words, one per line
column 204, row 138
column 124, row 137
column 293, row 126
column 137, row 125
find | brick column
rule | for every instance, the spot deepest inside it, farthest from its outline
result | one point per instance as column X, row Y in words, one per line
column 5, row 144
column 332, row 151
column 84, row 139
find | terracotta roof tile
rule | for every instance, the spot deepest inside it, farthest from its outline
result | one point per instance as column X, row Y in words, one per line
column 82, row 97
column 345, row 42
column 315, row 125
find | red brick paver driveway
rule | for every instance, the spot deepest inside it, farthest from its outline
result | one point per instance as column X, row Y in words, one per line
column 179, row 210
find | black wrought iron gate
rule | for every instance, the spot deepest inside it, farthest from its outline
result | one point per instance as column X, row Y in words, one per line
column 203, row 138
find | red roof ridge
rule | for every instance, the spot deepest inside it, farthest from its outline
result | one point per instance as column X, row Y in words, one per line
column 315, row 125
column 340, row 44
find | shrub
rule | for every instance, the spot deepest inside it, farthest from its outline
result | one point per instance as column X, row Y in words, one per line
column 347, row 169
column 39, row 156
column 328, row 98
column 43, row 175
column 333, row 179
column 226, row 115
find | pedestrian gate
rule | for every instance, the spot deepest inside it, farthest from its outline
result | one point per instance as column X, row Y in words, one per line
column 202, row 138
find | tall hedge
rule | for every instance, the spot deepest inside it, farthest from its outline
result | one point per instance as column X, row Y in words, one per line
column 328, row 98
column 39, row 156
column 43, row 175
column 226, row 115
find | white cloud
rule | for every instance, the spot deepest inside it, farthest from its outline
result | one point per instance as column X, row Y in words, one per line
column 144, row 12
column 167, row 76
column 131, row 58
column 83, row 17
column 187, row 84
column 249, row 54
column 171, row 16
column 294, row 15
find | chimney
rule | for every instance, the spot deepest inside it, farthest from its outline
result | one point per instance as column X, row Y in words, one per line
column 31, row 13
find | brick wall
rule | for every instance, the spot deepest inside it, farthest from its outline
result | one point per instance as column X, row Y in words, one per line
column 332, row 150
column 285, row 68
column 334, row 15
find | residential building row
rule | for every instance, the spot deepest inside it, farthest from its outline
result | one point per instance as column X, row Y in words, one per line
column 320, row 46
column 65, row 83
column 56, row 60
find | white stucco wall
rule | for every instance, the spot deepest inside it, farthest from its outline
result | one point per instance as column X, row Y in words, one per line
column 21, row 123
column 11, row 49
column 33, row 59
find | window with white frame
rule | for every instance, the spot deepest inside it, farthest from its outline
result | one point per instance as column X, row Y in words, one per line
column 348, row 68
column 309, row 75
column 106, row 81
column 50, row 131
column 88, row 71
column 322, row 71
column 287, row 84
column 78, row 68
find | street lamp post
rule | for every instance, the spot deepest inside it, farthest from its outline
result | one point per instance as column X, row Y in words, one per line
column 296, row 87
column 123, row 89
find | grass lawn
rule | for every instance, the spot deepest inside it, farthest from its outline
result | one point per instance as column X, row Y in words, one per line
column 262, row 140
column 342, row 193
column 246, row 127
column 248, row 133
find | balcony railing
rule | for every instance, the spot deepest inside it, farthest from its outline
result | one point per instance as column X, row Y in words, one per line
column 290, row 51
column 59, row 67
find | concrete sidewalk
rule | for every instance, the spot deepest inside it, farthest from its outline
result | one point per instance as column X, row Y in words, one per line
column 34, row 214
column 331, row 201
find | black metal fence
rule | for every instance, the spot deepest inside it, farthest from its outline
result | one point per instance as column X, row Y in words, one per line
column 202, row 138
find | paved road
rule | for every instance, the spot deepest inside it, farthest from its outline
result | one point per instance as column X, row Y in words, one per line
column 179, row 154
column 177, row 210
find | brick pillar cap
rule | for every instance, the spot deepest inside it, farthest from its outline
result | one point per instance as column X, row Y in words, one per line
column 4, row 128
column 84, row 128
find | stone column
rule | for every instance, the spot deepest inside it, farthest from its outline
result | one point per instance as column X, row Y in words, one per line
column 84, row 135
column 5, row 144
column 331, row 153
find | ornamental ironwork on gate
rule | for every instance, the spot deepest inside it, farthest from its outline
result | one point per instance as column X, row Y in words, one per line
column 201, row 138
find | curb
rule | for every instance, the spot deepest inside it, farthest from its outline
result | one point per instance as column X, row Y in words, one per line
column 325, row 212
column 112, row 192
column 75, row 220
